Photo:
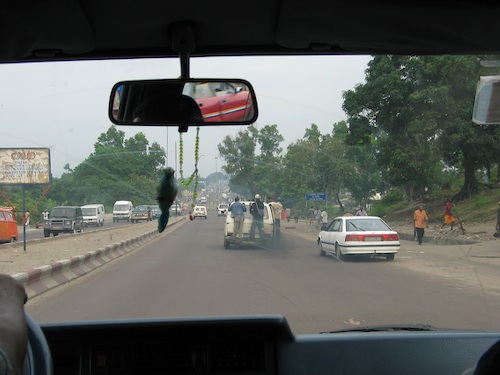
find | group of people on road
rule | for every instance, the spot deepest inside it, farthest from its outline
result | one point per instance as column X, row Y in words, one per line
column 318, row 217
column 257, row 210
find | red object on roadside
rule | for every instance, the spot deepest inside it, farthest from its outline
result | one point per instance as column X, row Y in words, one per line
column 191, row 217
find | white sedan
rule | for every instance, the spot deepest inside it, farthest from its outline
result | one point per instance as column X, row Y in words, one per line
column 355, row 235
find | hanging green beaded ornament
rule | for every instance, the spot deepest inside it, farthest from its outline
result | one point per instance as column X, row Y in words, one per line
column 194, row 175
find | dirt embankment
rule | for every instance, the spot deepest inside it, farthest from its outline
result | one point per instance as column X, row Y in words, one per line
column 464, row 229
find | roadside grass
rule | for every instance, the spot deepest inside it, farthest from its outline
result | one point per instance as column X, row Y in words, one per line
column 480, row 208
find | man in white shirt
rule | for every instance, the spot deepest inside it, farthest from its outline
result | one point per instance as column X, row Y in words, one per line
column 361, row 212
column 324, row 219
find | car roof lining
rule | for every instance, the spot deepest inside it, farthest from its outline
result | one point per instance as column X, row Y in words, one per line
column 74, row 30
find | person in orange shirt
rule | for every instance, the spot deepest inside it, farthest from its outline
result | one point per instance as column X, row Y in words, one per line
column 420, row 222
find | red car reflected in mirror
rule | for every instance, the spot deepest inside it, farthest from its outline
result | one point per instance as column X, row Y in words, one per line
column 221, row 101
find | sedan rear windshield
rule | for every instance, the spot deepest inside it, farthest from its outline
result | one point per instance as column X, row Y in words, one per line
column 366, row 225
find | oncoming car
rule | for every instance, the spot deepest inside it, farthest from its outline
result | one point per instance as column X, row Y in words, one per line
column 358, row 235
column 175, row 209
column 64, row 219
column 141, row 213
column 155, row 211
column 346, row 99
column 200, row 211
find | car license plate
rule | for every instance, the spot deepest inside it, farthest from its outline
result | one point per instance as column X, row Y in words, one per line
column 373, row 238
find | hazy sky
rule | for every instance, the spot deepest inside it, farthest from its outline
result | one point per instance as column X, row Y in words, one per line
column 64, row 105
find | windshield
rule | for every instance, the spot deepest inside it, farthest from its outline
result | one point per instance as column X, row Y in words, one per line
column 62, row 212
column 336, row 136
column 141, row 209
column 89, row 211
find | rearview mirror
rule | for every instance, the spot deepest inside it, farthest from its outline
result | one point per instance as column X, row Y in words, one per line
column 487, row 102
column 183, row 102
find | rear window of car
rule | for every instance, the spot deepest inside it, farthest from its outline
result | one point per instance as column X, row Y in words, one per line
column 366, row 225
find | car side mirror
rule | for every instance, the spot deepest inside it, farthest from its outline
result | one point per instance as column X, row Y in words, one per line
column 487, row 102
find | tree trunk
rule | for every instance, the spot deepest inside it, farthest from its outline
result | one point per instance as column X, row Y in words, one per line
column 340, row 203
column 470, row 186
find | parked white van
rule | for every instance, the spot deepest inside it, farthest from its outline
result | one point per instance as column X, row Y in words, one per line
column 122, row 210
column 93, row 214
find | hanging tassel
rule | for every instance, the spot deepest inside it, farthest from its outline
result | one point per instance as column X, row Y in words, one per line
column 166, row 193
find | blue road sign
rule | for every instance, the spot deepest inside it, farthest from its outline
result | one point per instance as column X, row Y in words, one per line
column 316, row 197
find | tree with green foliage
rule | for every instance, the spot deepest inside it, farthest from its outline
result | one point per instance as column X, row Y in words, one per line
column 118, row 168
column 364, row 177
column 419, row 110
column 253, row 159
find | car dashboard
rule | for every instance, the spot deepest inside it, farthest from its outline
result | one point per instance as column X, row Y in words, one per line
column 250, row 345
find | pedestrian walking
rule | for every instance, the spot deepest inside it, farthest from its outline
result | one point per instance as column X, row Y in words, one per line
column 311, row 215
column 288, row 213
column 296, row 214
column 448, row 216
column 27, row 219
column 317, row 218
column 277, row 208
column 420, row 222
column 238, row 210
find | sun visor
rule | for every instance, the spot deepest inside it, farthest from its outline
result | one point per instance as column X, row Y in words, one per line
column 375, row 27
column 31, row 29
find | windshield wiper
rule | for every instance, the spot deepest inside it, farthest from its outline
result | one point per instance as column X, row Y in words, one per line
column 355, row 227
column 390, row 328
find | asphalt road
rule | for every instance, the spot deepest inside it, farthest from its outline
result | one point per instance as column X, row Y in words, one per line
column 188, row 272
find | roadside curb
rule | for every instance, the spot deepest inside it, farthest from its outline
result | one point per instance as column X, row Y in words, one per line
column 438, row 239
column 44, row 278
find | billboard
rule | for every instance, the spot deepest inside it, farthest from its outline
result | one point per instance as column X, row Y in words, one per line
column 24, row 166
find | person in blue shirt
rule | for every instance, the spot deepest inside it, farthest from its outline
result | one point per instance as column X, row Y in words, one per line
column 238, row 210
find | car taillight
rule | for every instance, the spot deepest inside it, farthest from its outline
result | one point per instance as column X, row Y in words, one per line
column 354, row 237
column 371, row 237
column 391, row 237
